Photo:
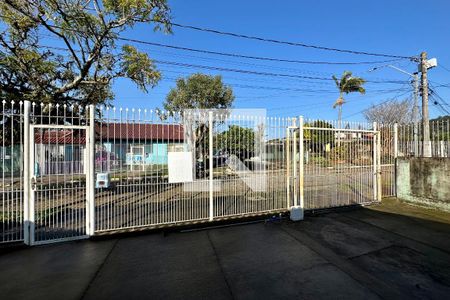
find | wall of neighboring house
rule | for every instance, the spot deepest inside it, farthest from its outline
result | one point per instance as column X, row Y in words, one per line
column 135, row 155
column 11, row 159
column 52, row 159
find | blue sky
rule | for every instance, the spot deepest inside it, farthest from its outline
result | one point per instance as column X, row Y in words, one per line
column 398, row 27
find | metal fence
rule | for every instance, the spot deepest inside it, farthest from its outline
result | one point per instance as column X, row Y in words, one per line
column 388, row 155
column 58, row 174
column 11, row 164
column 411, row 139
column 71, row 171
column 340, row 163
column 135, row 146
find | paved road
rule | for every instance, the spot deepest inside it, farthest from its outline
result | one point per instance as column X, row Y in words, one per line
column 364, row 253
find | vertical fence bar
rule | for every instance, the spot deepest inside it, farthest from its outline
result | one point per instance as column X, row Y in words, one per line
column 301, row 162
column 90, row 178
column 31, row 226
column 378, row 164
column 211, row 168
column 395, row 140
column 294, row 166
column 395, row 157
column 288, row 169
column 26, row 172
column 374, row 161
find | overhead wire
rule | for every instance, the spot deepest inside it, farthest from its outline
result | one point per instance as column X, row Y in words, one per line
column 271, row 74
column 264, row 58
column 262, row 39
column 376, row 105
column 257, row 38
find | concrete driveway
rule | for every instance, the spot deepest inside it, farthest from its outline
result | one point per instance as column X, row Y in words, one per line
column 391, row 251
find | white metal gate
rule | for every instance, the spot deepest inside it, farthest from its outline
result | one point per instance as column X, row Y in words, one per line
column 328, row 166
column 58, row 183
column 243, row 165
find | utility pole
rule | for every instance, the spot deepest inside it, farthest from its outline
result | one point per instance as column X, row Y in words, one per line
column 425, row 115
column 415, row 116
column 416, row 113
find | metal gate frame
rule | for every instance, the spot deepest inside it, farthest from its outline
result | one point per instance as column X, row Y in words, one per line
column 295, row 172
column 29, row 178
column 295, row 169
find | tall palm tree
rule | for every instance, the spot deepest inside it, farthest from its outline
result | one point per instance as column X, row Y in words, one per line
column 347, row 84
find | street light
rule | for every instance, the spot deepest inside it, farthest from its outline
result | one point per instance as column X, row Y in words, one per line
column 416, row 88
column 416, row 100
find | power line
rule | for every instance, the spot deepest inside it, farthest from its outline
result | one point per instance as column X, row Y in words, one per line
column 434, row 92
column 256, row 57
column 214, row 68
column 295, row 70
column 443, row 67
column 242, row 63
column 287, row 86
column 246, row 71
column 376, row 105
column 439, row 105
column 437, row 99
column 239, row 35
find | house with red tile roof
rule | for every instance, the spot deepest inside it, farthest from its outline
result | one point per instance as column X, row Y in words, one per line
column 119, row 146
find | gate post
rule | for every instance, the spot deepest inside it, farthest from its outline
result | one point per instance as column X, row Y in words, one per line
column 211, row 167
column 395, row 140
column 301, row 162
column 294, row 166
column 27, row 213
column 379, row 183
column 90, row 176
column 374, row 161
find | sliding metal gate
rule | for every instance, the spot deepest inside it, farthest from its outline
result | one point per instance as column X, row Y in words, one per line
column 242, row 165
column 328, row 166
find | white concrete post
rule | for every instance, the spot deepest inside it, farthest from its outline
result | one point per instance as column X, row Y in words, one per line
column 416, row 140
column 294, row 167
column 211, row 168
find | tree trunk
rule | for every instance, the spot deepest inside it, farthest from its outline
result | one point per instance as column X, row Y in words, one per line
column 339, row 120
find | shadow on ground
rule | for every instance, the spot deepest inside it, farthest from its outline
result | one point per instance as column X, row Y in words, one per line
column 364, row 253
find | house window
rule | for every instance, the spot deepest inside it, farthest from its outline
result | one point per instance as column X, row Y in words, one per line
column 175, row 148
column 137, row 155
column 137, row 150
column 148, row 149
column 135, row 158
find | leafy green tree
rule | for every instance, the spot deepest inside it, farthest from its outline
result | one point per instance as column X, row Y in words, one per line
column 237, row 140
column 199, row 91
column 83, row 68
column 440, row 128
column 318, row 138
column 347, row 84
